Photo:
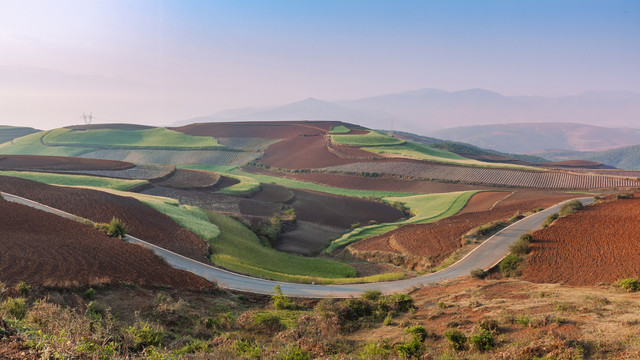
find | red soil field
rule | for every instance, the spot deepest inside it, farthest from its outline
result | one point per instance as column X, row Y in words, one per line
column 380, row 183
column 436, row 241
column 44, row 249
column 484, row 201
column 37, row 162
column 190, row 179
column 304, row 152
column 597, row 244
column 266, row 130
column 141, row 221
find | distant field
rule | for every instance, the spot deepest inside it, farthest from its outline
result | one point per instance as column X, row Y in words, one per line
column 8, row 133
column 238, row 249
column 76, row 180
column 246, row 185
column 113, row 138
column 426, row 208
column 340, row 129
column 31, row 145
column 373, row 138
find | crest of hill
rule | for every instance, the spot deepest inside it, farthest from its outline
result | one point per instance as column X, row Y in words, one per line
column 8, row 133
column 627, row 158
column 536, row 137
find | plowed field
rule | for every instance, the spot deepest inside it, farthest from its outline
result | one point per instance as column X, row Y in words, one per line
column 191, row 179
column 305, row 152
column 142, row 221
column 36, row 162
column 270, row 130
column 598, row 244
column 44, row 249
column 436, row 241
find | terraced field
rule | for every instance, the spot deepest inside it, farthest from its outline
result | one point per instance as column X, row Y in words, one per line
column 176, row 157
column 75, row 180
column 487, row 176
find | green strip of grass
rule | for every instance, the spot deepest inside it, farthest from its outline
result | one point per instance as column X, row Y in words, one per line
column 304, row 185
column 31, row 145
column 76, row 180
column 238, row 249
column 373, row 138
column 148, row 138
column 426, row 208
column 340, row 129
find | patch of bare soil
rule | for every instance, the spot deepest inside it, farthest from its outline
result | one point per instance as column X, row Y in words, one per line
column 15, row 348
column 484, row 201
column 59, row 163
column 44, row 249
column 424, row 246
column 259, row 129
column 307, row 238
column 596, row 245
column 190, row 179
column 273, row 193
column 303, row 152
column 141, row 220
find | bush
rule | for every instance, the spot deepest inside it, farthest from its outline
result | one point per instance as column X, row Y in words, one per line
column 489, row 325
column 457, row 339
column 376, row 350
column 522, row 246
column 411, row 349
column 16, row 307
column 483, row 340
column 509, row 265
column 371, row 295
column 623, row 196
column 550, row 219
column 282, row 302
column 631, row 285
column 143, row 334
column 22, row 288
column 570, row 207
column 293, row 352
column 268, row 322
column 402, row 302
column 418, row 331
column 90, row 294
column 115, row 228
column 247, row 349
column 478, row 274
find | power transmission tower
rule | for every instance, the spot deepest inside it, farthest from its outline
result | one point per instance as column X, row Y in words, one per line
column 87, row 117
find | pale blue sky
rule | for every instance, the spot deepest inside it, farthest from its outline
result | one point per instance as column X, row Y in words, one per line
column 159, row 61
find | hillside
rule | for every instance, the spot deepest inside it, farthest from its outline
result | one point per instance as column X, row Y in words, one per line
column 527, row 138
column 627, row 158
column 8, row 133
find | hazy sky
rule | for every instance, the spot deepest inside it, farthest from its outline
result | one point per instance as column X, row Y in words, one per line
column 158, row 61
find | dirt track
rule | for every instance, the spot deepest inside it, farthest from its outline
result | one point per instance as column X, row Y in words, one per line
column 141, row 220
column 59, row 163
column 44, row 249
column 598, row 244
column 436, row 241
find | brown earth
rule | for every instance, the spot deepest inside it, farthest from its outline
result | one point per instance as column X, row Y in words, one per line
column 484, row 201
column 16, row 349
column 427, row 245
column 37, row 162
column 380, row 183
column 256, row 129
column 116, row 126
column 141, row 220
column 598, row 244
column 304, row 152
column 190, row 179
column 44, row 249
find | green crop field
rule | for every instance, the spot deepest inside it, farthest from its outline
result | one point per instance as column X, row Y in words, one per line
column 8, row 133
column 373, row 138
column 110, row 138
column 76, row 180
column 424, row 152
column 31, row 145
column 239, row 249
column 340, row 129
column 426, row 208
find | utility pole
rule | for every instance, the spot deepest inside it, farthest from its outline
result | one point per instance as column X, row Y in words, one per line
column 87, row 117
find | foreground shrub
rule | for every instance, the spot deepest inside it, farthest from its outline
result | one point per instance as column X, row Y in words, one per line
column 282, row 302
column 402, row 302
column 23, row 288
column 267, row 321
column 115, row 228
column 142, row 334
column 478, row 274
column 570, row 207
column 418, row 331
column 631, row 285
column 509, row 265
column 550, row 219
column 457, row 339
column 16, row 307
column 247, row 349
column 376, row 350
column 483, row 340
column 411, row 349
column 371, row 295
column 522, row 246
column 293, row 352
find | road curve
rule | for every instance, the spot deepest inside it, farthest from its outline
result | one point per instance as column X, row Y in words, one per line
column 486, row 255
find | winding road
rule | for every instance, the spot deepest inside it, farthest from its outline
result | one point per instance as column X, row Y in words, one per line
column 486, row 255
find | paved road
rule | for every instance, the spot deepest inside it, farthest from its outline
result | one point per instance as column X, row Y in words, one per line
column 486, row 255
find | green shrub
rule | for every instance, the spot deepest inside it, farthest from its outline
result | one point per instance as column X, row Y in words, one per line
column 550, row 219
column 478, row 274
column 483, row 340
column 115, row 228
column 509, row 265
column 23, row 288
column 623, row 196
column 402, row 302
column 16, row 307
column 371, row 295
column 388, row 320
column 90, row 294
column 418, row 331
column 489, row 325
column 142, row 334
column 411, row 349
column 293, row 352
column 267, row 321
column 195, row 346
column 631, row 284
column 247, row 349
column 457, row 339
column 570, row 208
column 376, row 350
column 282, row 302
column 522, row 246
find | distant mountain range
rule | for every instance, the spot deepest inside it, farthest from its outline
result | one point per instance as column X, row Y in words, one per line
column 627, row 157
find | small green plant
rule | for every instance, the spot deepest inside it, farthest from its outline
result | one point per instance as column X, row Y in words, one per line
column 510, row 264
column 623, row 196
column 267, row 321
column 489, row 325
column 115, row 228
column 570, row 208
column 376, row 350
column 371, row 295
column 523, row 320
column 90, row 294
column 23, row 288
column 550, row 219
column 193, row 347
column 388, row 320
column 411, row 349
column 402, row 302
column 478, row 274
column 522, row 246
column 293, row 352
column 457, row 339
column 418, row 331
column 247, row 349
column 16, row 307
column 483, row 340
column 281, row 301
column 631, row 284
column 142, row 334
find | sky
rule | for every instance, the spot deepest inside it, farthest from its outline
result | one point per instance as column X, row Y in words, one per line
column 156, row 62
